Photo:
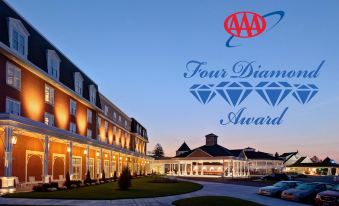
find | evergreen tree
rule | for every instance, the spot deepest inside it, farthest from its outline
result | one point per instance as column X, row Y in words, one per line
column 125, row 179
column 158, row 151
column 103, row 176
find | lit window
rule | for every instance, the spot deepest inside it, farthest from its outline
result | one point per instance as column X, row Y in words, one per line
column 99, row 122
column 49, row 94
column 92, row 94
column 18, row 37
column 73, row 106
column 106, row 126
column 78, row 80
column 89, row 133
column 12, row 106
column 13, row 76
column 98, row 170
column 106, row 110
column 76, row 168
column 53, row 64
column 106, row 166
column 89, row 116
column 49, row 119
column 72, row 127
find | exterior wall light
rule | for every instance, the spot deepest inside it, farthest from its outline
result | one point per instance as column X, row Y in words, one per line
column 14, row 140
column 106, row 155
column 68, row 149
column 97, row 154
column 85, row 152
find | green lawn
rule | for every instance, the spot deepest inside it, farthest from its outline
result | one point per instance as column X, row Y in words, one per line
column 141, row 187
column 214, row 201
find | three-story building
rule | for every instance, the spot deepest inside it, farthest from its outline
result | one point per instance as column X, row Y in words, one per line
column 53, row 119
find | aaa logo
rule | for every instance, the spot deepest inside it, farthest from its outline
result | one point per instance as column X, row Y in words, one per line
column 245, row 24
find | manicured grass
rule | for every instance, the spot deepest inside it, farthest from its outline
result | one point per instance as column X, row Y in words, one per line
column 214, row 201
column 141, row 187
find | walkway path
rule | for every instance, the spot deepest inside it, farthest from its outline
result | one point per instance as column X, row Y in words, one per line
column 210, row 188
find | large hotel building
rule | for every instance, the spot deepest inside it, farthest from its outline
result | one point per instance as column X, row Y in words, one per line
column 53, row 118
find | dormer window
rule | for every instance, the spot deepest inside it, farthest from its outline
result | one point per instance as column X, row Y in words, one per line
column 18, row 37
column 78, row 80
column 92, row 94
column 106, row 110
column 53, row 64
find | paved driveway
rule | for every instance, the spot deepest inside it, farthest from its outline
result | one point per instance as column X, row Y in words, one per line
column 210, row 188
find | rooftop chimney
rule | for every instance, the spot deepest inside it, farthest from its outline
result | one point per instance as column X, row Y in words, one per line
column 211, row 139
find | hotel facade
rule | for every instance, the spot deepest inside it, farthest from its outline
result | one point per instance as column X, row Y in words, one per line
column 53, row 118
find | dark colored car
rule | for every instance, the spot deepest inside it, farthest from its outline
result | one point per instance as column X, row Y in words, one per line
column 305, row 192
column 328, row 197
column 276, row 189
column 276, row 177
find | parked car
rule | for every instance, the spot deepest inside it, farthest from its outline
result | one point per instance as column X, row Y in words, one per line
column 276, row 177
column 276, row 189
column 305, row 192
column 328, row 197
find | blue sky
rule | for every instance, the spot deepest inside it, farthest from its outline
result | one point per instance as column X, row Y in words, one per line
column 136, row 51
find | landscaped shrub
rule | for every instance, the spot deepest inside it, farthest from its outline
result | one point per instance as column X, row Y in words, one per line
column 124, row 180
column 88, row 179
column 53, row 186
column 103, row 176
column 115, row 176
column 68, row 180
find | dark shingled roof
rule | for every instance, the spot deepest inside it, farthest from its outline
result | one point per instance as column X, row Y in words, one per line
column 260, row 156
column 236, row 152
column 326, row 163
column 184, row 148
column 288, row 154
column 213, row 150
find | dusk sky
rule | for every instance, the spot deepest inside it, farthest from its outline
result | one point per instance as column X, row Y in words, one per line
column 136, row 51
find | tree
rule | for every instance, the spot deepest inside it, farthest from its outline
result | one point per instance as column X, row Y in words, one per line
column 68, row 180
column 115, row 176
column 276, row 154
column 88, row 177
column 158, row 151
column 125, row 178
column 103, row 176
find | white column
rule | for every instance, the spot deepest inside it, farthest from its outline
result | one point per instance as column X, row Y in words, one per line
column 8, row 151
column 185, row 168
column 101, row 162
column 70, row 159
column 118, row 166
column 87, row 160
column 179, row 168
column 248, row 169
column 228, row 168
column 202, row 168
column 110, row 164
column 191, row 172
column 46, row 149
column 223, row 168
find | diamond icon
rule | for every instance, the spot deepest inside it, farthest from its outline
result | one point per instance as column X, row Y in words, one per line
column 305, row 92
column 203, row 92
column 234, row 93
column 273, row 92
